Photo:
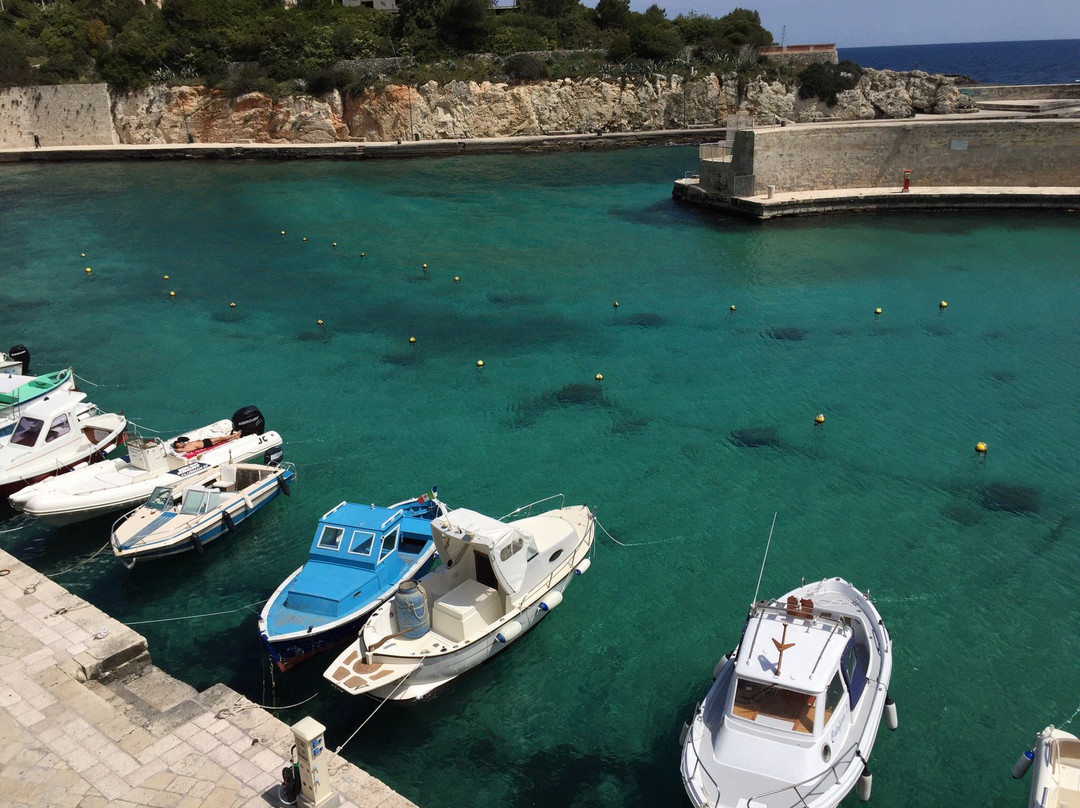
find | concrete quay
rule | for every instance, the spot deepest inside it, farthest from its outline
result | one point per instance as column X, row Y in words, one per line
column 861, row 200
column 86, row 721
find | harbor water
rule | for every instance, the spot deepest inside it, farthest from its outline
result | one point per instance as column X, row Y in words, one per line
column 728, row 340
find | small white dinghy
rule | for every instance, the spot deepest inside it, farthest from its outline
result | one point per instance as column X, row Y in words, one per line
column 198, row 510
column 56, row 433
column 793, row 714
column 1055, row 762
column 498, row 580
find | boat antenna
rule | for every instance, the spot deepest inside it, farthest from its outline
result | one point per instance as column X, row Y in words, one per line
column 765, row 558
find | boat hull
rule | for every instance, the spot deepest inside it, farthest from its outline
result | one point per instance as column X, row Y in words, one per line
column 185, row 540
column 13, row 486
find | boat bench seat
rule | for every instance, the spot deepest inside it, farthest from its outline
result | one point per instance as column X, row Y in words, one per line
column 466, row 611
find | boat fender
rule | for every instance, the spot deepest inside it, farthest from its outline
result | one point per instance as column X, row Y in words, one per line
column 720, row 663
column 283, row 484
column 866, row 783
column 247, row 503
column 196, row 542
column 511, row 631
column 552, row 600
column 1023, row 763
column 228, row 522
column 583, row 567
column 891, row 721
column 684, row 732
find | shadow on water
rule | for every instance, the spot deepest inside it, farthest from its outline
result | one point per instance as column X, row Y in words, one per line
column 785, row 334
column 756, row 437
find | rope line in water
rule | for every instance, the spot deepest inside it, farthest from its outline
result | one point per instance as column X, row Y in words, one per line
column 144, row 428
column 640, row 543
column 195, row 616
column 84, row 561
column 84, row 381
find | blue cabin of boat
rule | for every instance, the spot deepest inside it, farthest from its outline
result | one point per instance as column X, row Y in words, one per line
column 358, row 552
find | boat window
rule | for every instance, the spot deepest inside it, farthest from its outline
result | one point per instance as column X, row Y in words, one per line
column 774, row 706
column 330, row 538
column 160, row 499
column 510, row 549
column 389, row 542
column 60, row 426
column 854, row 664
column 196, row 501
column 27, row 431
column 362, row 541
column 833, row 695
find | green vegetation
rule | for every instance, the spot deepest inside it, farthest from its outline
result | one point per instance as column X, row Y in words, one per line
column 824, row 81
column 246, row 45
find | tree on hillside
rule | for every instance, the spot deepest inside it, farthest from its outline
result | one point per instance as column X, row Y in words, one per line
column 613, row 14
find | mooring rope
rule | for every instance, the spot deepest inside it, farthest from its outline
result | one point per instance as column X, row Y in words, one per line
column 195, row 616
column 144, row 428
column 227, row 712
column 84, row 561
column 640, row 543
column 336, row 752
column 85, row 381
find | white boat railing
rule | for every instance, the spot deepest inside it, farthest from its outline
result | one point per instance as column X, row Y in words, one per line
column 847, row 758
column 526, row 510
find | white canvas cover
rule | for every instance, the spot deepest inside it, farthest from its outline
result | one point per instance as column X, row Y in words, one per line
column 498, row 537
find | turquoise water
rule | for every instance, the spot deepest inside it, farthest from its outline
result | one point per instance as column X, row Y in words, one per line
column 586, row 710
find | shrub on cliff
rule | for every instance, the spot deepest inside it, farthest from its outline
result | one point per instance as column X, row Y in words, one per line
column 824, row 81
column 525, row 67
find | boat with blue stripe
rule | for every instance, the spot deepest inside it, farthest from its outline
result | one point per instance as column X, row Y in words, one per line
column 358, row 557
column 198, row 510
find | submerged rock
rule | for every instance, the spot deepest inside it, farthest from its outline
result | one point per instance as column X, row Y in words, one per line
column 756, row 437
column 646, row 320
column 580, row 394
column 1011, row 498
column 403, row 359
column 786, row 334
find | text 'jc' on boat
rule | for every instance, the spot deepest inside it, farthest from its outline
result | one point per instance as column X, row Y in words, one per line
column 792, row 715
column 498, row 579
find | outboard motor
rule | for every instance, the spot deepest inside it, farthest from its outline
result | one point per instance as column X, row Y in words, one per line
column 249, row 421
column 273, row 456
column 19, row 354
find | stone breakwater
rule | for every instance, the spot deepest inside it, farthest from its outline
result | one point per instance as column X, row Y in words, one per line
column 458, row 110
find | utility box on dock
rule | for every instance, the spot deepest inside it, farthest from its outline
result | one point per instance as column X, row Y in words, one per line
column 315, row 791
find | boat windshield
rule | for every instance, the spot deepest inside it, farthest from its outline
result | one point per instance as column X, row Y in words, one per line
column 774, row 706
column 159, row 500
column 196, row 501
column 27, row 431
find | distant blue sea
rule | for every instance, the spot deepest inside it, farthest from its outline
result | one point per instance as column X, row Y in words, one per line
column 1055, row 61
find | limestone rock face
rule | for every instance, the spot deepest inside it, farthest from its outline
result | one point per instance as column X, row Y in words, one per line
column 459, row 110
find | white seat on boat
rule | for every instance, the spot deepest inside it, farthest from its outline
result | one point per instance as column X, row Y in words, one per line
column 466, row 611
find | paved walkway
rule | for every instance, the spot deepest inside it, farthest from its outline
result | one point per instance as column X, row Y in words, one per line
column 87, row 722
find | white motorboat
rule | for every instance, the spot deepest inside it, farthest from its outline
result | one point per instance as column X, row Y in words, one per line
column 498, row 580
column 57, row 433
column 792, row 715
column 1055, row 778
column 122, row 483
column 198, row 510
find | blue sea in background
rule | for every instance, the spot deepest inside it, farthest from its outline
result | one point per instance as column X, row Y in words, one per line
column 972, row 560
column 1055, row 61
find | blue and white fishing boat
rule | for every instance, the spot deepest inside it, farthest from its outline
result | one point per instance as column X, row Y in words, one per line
column 197, row 510
column 358, row 556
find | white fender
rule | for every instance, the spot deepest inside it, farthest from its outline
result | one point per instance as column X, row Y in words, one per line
column 551, row 600
column 511, row 631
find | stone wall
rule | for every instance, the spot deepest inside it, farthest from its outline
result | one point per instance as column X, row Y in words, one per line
column 1010, row 152
column 61, row 115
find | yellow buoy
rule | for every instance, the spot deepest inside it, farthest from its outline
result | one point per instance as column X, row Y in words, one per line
column 304, row 238
column 615, row 304
column 232, row 305
column 83, row 255
column 172, row 294
column 457, row 279
column 318, row 322
column 425, row 266
column 980, row 447
column 283, row 232
column 479, row 363
column 335, row 243
column 943, row 305
column 361, row 255
column 412, row 340
column 88, row 270
column 820, row 419
column 165, row 277
column 599, row 377
column 877, row 311
column 732, row 307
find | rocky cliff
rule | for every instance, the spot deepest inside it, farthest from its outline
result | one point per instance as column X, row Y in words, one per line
column 460, row 110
